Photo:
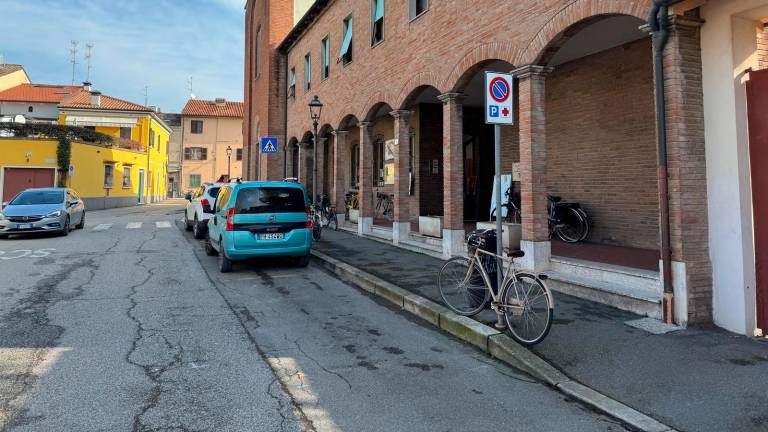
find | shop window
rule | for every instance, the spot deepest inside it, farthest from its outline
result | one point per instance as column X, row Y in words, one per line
column 125, row 133
column 109, row 173
column 197, row 126
column 377, row 21
column 307, row 72
column 194, row 180
column 325, row 61
column 417, row 7
column 292, row 84
column 126, row 177
column 345, row 55
column 196, row 153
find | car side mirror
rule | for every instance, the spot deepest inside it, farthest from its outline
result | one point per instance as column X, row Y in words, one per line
column 4, row 204
column 188, row 197
column 72, row 203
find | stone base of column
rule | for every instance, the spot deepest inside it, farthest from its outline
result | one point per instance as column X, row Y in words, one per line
column 341, row 218
column 400, row 231
column 364, row 225
column 680, row 291
column 537, row 255
column 453, row 243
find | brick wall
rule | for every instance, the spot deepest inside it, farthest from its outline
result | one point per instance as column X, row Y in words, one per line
column 762, row 48
column 601, row 142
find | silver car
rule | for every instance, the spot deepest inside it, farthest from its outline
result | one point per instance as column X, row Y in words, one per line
column 42, row 210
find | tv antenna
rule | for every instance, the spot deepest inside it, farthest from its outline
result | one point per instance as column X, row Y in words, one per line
column 88, row 55
column 191, row 91
column 146, row 95
column 73, row 58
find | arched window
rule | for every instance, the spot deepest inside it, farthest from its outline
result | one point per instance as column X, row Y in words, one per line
column 30, row 109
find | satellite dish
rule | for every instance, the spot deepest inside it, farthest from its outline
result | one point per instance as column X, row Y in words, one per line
column 18, row 118
column 192, row 96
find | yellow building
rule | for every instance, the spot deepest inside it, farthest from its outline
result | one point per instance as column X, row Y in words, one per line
column 12, row 75
column 131, row 170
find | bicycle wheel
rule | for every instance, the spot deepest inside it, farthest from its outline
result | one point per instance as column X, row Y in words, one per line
column 585, row 218
column 333, row 222
column 316, row 228
column 570, row 226
column 462, row 286
column 527, row 305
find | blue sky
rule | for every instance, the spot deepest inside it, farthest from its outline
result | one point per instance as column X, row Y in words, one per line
column 137, row 43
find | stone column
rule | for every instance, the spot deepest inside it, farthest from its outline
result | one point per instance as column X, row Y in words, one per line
column 340, row 182
column 686, row 168
column 365, row 198
column 533, row 166
column 305, row 165
column 321, row 142
column 401, row 226
column 453, row 174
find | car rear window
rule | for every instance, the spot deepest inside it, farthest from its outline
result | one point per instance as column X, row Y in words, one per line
column 214, row 191
column 270, row 200
column 38, row 197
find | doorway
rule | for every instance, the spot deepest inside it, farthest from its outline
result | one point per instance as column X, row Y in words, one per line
column 141, row 186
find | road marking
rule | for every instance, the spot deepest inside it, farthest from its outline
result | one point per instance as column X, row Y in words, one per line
column 102, row 227
column 133, row 225
column 25, row 253
column 163, row 224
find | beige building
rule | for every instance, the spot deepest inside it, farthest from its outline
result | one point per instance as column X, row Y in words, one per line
column 12, row 75
column 209, row 128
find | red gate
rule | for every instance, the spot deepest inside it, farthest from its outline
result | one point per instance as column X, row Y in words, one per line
column 757, row 115
column 16, row 180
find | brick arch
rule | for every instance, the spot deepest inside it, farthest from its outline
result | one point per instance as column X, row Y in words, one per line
column 465, row 69
column 556, row 30
column 307, row 137
column 325, row 129
column 346, row 121
column 365, row 110
column 292, row 142
column 422, row 79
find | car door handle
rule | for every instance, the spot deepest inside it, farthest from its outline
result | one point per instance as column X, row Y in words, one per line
column 214, row 220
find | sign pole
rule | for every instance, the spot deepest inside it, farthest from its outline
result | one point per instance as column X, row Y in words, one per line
column 499, row 228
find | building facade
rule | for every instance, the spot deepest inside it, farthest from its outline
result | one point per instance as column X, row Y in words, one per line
column 212, row 143
column 36, row 102
column 12, row 75
column 175, row 154
column 402, row 87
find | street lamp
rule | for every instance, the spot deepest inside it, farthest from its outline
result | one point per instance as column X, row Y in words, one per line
column 229, row 163
column 315, row 108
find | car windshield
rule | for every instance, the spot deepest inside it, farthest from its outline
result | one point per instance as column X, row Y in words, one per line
column 38, row 197
column 270, row 200
column 214, row 191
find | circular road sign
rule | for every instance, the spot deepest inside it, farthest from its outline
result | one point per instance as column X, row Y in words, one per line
column 499, row 89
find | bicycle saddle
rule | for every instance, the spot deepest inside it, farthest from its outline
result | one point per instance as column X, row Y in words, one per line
column 515, row 254
column 554, row 199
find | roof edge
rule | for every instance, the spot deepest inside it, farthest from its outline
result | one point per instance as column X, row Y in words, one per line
column 304, row 23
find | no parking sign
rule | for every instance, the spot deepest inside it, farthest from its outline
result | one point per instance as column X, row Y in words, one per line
column 499, row 103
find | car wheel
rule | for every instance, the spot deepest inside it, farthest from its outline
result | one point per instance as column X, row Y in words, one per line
column 303, row 261
column 209, row 250
column 3, row 236
column 197, row 229
column 65, row 229
column 81, row 224
column 225, row 264
column 187, row 226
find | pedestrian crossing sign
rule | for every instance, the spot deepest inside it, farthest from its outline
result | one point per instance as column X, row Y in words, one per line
column 268, row 145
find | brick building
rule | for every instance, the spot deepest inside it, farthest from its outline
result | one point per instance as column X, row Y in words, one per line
column 402, row 87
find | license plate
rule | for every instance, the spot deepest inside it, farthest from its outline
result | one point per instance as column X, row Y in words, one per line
column 23, row 226
column 271, row 236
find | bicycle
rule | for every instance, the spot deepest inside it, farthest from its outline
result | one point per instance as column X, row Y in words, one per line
column 512, row 204
column 385, row 205
column 350, row 202
column 524, row 299
column 568, row 221
column 328, row 213
column 316, row 219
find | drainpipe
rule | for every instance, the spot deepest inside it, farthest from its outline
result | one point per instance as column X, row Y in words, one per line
column 659, row 23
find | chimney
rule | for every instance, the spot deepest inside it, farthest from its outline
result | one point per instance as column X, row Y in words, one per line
column 96, row 98
column 221, row 101
column 87, row 86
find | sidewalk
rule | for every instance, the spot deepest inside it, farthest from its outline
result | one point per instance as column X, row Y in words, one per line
column 694, row 380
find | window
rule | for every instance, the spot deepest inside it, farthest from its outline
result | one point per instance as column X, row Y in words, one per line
column 270, row 200
column 126, row 177
column 292, row 84
column 109, row 171
column 325, row 60
column 417, row 7
column 378, row 162
column 222, row 198
column 377, row 21
column 197, row 126
column 307, row 72
column 354, row 165
column 194, row 180
column 345, row 55
column 159, row 144
column 257, row 53
column 30, row 109
column 151, row 138
column 239, row 154
column 125, row 133
column 195, row 153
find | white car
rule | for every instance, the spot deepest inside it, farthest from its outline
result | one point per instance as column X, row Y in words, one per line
column 200, row 208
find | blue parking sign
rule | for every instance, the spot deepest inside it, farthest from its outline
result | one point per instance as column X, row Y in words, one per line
column 268, row 145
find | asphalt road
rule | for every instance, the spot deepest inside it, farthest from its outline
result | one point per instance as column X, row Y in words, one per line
column 128, row 326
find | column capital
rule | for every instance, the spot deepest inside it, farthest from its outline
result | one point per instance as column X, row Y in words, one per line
column 340, row 133
column 322, row 140
column 528, row 71
column 364, row 124
column 401, row 114
column 303, row 145
column 677, row 21
column 451, row 97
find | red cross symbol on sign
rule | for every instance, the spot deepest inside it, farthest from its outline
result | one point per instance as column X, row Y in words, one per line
column 505, row 112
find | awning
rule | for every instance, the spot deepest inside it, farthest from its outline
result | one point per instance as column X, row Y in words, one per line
column 379, row 13
column 101, row 121
column 347, row 39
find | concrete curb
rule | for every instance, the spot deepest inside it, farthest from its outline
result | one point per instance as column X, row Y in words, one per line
column 491, row 341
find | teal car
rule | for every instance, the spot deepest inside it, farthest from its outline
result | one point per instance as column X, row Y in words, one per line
column 259, row 219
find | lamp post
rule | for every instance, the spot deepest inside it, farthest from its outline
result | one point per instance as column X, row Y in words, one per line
column 315, row 109
column 229, row 163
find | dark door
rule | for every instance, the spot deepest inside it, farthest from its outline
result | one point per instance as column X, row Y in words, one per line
column 16, row 180
column 757, row 115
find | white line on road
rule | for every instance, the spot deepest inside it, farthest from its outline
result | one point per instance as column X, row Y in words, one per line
column 102, row 227
column 133, row 225
column 163, row 224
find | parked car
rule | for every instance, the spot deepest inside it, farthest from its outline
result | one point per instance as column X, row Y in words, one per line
column 199, row 209
column 42, row 210
column 260, row 219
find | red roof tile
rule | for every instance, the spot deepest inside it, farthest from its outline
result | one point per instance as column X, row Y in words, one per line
column 204, row 108
column 37, row 93
column 82, row 100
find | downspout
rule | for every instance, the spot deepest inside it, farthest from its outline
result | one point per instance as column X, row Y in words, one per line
column 284, row 98
column 659, row 23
